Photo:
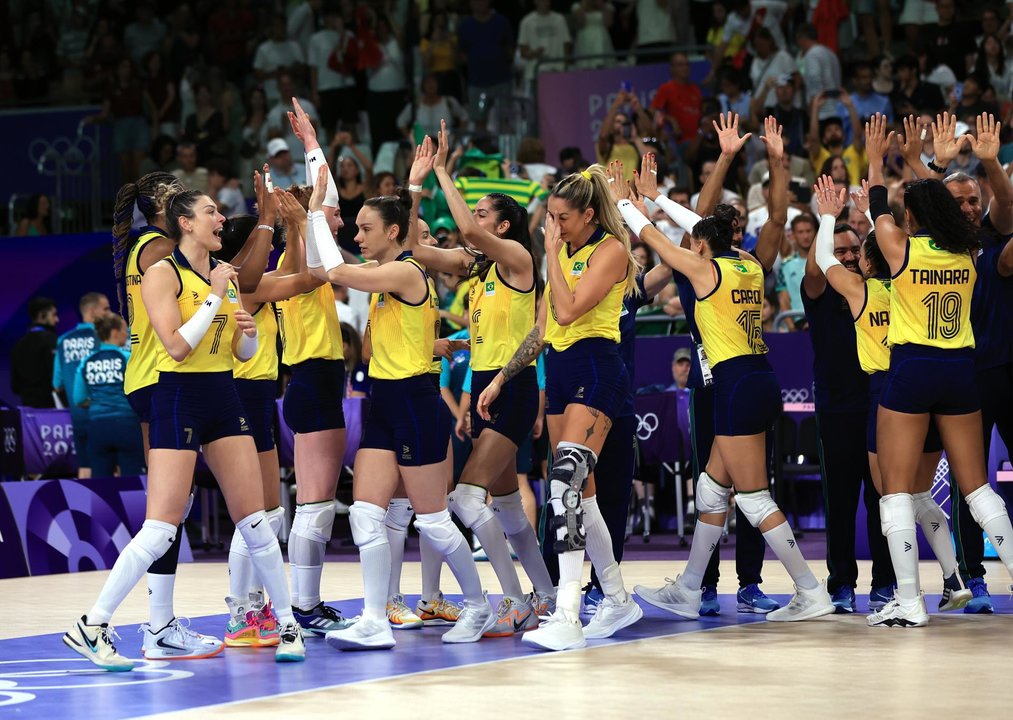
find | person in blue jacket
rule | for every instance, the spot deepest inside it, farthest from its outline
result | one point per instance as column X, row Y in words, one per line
column 114, row 435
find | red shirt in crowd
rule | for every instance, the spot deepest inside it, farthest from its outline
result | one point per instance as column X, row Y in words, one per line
column 681, row 101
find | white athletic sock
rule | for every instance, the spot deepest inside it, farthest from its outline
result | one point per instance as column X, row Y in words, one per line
column 571, row 572
column 490, row 534
column 399, row 514
column 509, row 511
column 462, row 564
column 267, row 562
column 448, row 540
column 932, row 520
column 161, row 589
column 151, row 542
column 989, row 511
column 705, row 538
column 599, row 549
column 375, row 563
column 782, row 541
column 432, row 568
column 240, row 568
column 897, row 515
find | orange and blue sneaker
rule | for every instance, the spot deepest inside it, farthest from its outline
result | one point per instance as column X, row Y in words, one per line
column 400, row 615
column 244, row 628
column 270, row 628
column 513, row 616
column 438, row 611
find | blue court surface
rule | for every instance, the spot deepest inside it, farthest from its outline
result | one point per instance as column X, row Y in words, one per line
column 41, row 678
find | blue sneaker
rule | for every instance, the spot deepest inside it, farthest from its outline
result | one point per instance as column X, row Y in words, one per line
column 751, row 599
column 319, row 620
column 709, row 606
column 880, row 596
column 844, row 600
column 981, row 601
column 592, row 599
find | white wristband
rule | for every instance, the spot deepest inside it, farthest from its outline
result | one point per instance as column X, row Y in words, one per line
column 825, row 243
column 684, row 217
column 246, row 348
column 415, row 188
column 314, row 159
column 868, row 214
column 312, row 256
column 634, row 219
column 194, row 329
column 320, row 235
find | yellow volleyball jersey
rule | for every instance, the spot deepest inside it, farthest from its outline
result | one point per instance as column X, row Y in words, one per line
column 309, row 326
column 931, row 297
column 601, row 321
column 214, row 352
column 437, row 366
column 872, row 326
column 729, row 318
column 145, row 346
column 402, row 334
column 264, row 364
column 501, row 317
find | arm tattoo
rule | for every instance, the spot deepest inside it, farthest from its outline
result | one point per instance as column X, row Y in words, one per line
column 525, row 355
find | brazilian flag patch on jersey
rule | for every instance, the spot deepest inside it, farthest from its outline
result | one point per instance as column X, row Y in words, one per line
column 934, row 245
column 741, row 268
column 379, row 300
column 578, row 268
column 231, row 293
column 490, row 288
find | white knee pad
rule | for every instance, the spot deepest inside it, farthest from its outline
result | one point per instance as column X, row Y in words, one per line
column 711, row 496
column 985, row 504
column 399, row 514
column 896, row 513
column 256, row 531
column 509, row 510
column 314, row 521
column 756, row 506
column 276, row 516
column 239, row 545
column 440, row 531
column 468, row 503
column 153, row 540
column 926, row 510
column 366, row 520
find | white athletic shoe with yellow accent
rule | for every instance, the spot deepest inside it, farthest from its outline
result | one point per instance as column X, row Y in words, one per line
column 805, row 605
column 612, row 616
column 94, row 643
column 561, row 631
column 674, row 597
column 400, row 615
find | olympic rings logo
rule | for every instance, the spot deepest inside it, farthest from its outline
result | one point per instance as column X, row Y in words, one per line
column 70, row 157
column 646, row 425
column 794, row 395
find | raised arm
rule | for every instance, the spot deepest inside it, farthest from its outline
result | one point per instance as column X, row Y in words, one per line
column 857, row 141
column 647, row 186
column 727, row 128
column 851, row 285
column 911, row 147
column 892, row 239
column 251, row 260
column 768, row 244
column 986, row 147
column 511, row 256
column 947, row 144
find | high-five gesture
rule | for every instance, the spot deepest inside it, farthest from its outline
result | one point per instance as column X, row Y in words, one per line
column 876, row 143
column 829, row 201
column 860, row 197
column 911, row 144
column 442, row 148
column 267, row 202
column 986, row 144
column 302, row 126
column 647, row 178
column 772, row 139
column 728, row 133
column 948, row 145
column 423, row 163
column 617, row 183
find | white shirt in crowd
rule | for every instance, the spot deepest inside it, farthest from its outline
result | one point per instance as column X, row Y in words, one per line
column 390, row 75
column 654, row 24
column 321, row 45
column 428, row 116
column 277, row 119
column 821, row 70
column 232, row 201
column 549, row 33
column 778, row 64
column 301, row 23
column 272, row 55
column 726, row 197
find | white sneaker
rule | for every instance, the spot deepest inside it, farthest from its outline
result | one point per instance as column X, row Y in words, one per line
column 898, row 613
column 363, row 635
column 475, row 620
column 674, row 597
column 561, row 631
column 94, row 642
column 805, row 605
column 290, row 646
column 612, row 616
column 176, row 641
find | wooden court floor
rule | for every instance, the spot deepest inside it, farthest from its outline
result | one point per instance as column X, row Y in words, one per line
column 835, row 667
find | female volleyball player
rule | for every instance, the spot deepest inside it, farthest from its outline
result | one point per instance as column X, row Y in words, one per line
column 728, row 285
column 590, row 269
column 931, row 375
column 868, row 295
column 193, row 305
column 502, row 308
column 408, row 428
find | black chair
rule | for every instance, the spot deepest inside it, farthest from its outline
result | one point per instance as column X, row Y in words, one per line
column 797, row 456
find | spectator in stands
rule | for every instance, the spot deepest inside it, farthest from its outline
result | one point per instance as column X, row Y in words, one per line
column 619, row 137
column 911, row 95
column 254, row 124
column 681, row 363
column 664, row 223
column 883, row 77
column 275, row 56
column 821, row 70
column 992, row 63
column 543, row 36
column 32, row 356
column 592, row 20
column 162, row 156
column 531, row 155
column 733, row 97
column 785, row 110
column 114, row 433
column 192, row 175
column 35, row 221
column 789, row 279
column 439, row 55
column 145, row 34
column 205, row 126
column 161, row 96
column 769, row 63
column 225, row 189
column 916, row 15
column 875, row 24
column 355, row 178
column 302, row 21
column 229, row 28
column 949, row 42
column 429, row 109
column 760, row 212
column 387, row 85
column 486, row 45
column 285, row 172
column 867, row 101
column 332, row 84
column 826, row 138
column 969, row 103
column 182, row 42
column 655, row 30
column 571, row 160
column 124, row 105
column 678, row 102
column 277, row 118
column 706, row 168
column 768, row 312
